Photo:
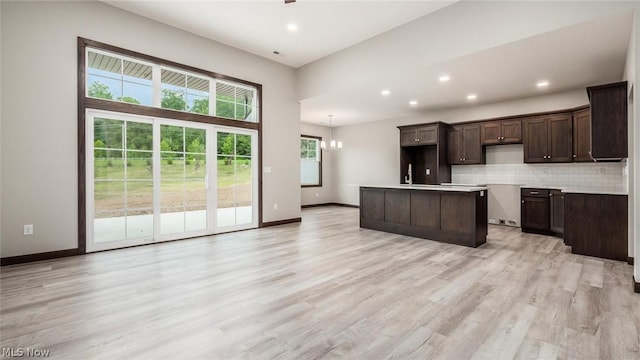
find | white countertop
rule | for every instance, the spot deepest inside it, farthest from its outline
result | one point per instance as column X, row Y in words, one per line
column 430, row 187
column 602, row 192
column 576, row 190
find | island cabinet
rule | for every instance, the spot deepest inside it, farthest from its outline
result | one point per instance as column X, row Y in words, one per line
column 548, row 138
column 582, row 135
column 456, row 217
column 596, row 225
column 608, row 121
column 501, row 132
column 464, row 147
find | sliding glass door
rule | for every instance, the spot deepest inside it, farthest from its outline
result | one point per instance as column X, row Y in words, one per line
column 154, row 180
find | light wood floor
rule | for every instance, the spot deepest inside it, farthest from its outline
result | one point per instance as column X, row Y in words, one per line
column 325, row 289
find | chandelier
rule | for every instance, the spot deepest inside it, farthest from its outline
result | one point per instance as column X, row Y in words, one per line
column 333, row 144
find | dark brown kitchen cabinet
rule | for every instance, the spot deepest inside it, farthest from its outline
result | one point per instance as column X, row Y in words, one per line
column 542, row 211
column 548, row 138
column 501, row 132
column 597, row 225
column 556, row 215
column 534, row 210
column 419, row 135
column 464, row 146
column 582, row 135
column 427, row 156
column 608, row 121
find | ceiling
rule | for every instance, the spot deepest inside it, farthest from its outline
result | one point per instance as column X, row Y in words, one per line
column 587, row 53
column 260, row 27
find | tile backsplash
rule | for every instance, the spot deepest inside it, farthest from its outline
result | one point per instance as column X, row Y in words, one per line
column 585, row 176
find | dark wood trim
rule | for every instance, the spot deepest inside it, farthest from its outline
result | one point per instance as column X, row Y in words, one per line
column 121, row 51
column 260, row 184
column 319, row 138
column 630, row 260
column 509, row 117
column 21, row 259
column 122, row 107
column 281, row 222
column 636, row 285
column 82, row 191
column 330, row 204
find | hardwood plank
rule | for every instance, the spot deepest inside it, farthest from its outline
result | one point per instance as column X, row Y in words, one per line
column 325, row 288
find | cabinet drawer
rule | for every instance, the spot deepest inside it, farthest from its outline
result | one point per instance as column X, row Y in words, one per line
column 529, row 192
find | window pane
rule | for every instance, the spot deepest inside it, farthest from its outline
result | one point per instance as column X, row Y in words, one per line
column 104, row 76
column 243, row 145
column 311, row 154
column 108, row 133
column 224, row 109
column 174, row 86
column 198, row 95
column 139, row 136
column 225, row 143
column 309, row 171
column 139, row 165
column 171, row 138
column 137, row 87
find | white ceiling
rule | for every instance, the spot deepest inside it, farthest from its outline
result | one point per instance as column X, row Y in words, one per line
column 260, row 27
column 571, row 57
column 586, row 54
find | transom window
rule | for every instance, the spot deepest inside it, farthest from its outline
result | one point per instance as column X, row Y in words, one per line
column 310, row 161
column 120, row 78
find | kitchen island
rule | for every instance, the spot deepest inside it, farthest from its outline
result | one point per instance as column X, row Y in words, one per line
column 451, row 214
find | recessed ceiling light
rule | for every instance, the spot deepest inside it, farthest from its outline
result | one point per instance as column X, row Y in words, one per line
column 413, row 102
column 542, row 83
column 472, row 97
column 292, row 27
column 444, row 78
column 385, row 92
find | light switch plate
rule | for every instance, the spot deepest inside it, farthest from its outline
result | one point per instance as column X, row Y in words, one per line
column 28, row 229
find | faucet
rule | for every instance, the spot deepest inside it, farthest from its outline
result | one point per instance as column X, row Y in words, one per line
column 408, row 179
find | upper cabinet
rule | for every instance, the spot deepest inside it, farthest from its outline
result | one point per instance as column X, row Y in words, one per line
column 608, row 121
column 582, row 135
column 419, row 135
column 548, row 138
column 464, row 146
column 424, row 148
column 501, row 132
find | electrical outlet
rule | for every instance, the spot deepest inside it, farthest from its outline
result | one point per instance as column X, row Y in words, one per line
column 545, row 170
column 275, row 206
column 28, row 229
column 603, row 171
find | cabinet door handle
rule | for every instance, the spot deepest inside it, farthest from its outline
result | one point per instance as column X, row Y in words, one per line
column 534, row 193
column 523, row 201
column 575, row 156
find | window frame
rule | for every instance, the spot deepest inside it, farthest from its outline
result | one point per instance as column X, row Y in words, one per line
column 318, row 139
column 84, row 102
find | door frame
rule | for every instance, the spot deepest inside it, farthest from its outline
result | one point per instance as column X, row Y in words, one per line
column 211, row 180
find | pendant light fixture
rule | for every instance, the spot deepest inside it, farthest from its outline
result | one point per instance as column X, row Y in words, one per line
column 333, row 144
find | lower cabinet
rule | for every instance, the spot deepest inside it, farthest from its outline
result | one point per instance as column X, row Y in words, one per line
column 542, row 211
column 596, row 225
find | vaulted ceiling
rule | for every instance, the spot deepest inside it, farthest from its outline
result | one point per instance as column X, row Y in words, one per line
column 346, row 53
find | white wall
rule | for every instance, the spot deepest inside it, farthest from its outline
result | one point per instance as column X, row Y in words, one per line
column 39, row 112
column 629, row 75
column 636, row 146
column 371, row 154
column 319, row 194
column 1, row 159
